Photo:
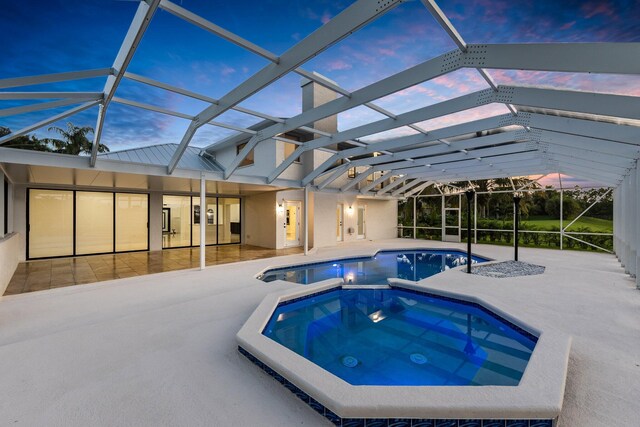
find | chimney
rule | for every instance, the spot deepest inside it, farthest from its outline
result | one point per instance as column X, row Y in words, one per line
column 314, row 95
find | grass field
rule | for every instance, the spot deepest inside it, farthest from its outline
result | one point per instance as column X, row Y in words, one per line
column 596, row 225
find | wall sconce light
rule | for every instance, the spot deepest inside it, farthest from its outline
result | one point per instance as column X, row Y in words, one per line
column 350, row 210
column 280, row 207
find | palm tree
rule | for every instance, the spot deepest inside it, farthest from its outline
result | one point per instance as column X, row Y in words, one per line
column 74, row 140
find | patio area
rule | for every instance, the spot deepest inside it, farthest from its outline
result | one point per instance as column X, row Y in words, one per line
column 40, row 275
column 161, row 349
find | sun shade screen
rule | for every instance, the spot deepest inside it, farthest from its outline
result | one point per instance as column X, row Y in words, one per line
column 131, row 222
column 50, row 223
column 94, row 222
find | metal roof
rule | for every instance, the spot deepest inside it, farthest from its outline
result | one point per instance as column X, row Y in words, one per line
column 161, row 154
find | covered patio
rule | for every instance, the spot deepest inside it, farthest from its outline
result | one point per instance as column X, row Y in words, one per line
column 41, row 275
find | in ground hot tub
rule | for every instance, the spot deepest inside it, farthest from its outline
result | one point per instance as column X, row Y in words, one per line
column 397, row 336
column 404, row 354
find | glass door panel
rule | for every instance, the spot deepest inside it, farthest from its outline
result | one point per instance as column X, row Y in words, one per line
column 361, row 222
column 206, row 217
column 176, row 217
column 94, row 222
column 132, row 217
column 292, row 223
column 229, row 229
column 50, row 223
column 339, row 222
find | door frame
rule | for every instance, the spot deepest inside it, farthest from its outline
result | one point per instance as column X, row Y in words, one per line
column 340, row 222
column 298, row 206
column 364, row 222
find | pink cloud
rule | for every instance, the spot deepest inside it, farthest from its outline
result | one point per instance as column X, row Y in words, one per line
column 326, row 17
column 592, row 9
column 226, row 70
column 568, row 25
column 338, row 65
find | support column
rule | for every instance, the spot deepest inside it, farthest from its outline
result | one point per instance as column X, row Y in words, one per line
column 475, row 217
column 561, row 217
column 516, row 221
column 633, row 230
column 636, row 224
column 306, row 220
column 443, row 219
column 470, row 195
column 415, row 200
column 203, row 220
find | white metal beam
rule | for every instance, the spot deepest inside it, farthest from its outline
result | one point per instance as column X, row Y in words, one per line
column 52, row 78
column 574, row 57
column 418, row 189
column 405, row 141
column 42, row 106
column 141, row 21
column 375, row 182
column 6, row 96
column 439, row 161
column 593, row 103
column 351, row 19
column 392, row 185
column 407, row 186
column 45, row 122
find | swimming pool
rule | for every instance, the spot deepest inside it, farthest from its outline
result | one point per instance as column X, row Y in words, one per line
column 412, row 264
column 399, row 337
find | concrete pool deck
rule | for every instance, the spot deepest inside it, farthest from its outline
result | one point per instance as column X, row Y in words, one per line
column 161, row 350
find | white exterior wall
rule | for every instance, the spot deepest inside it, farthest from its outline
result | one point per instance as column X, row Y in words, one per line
column 264, row 155
column 20, row 219
column 381, row 217
column 626, row 233
column 155, row 221
column 9, row 258
column 259, row 228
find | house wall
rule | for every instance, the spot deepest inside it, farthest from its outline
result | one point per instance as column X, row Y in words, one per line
column 155, row 221
column 381, row 218
column 20, row 218
column 260, row 220
column 264, row 155
column 9, row 258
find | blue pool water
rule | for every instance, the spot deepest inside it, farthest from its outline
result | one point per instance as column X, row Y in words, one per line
column 400, row 337
column 410, row 265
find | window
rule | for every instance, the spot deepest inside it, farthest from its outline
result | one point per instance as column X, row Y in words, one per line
column 351, row 173
column 247, row 161
column 289, row 147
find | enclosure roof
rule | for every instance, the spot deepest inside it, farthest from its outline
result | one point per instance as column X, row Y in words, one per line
column 482, row 129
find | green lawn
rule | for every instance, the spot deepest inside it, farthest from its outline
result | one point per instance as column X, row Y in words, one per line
column 596, row 225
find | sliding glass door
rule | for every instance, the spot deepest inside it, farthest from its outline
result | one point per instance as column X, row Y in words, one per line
column 182, row 218
column 94, row 222
column 132, row 222
column 228, row 220
column 50, row 227
column 70, row 222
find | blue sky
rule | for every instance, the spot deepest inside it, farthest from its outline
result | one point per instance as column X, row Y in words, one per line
column 42, row 37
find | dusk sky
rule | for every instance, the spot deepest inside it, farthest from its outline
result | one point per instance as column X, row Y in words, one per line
column 41, row 37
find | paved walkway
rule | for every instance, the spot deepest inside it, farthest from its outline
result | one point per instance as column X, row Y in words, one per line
column 58, row 273
column 160, row 350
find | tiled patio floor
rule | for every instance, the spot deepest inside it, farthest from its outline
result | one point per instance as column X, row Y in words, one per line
column 56, row 273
